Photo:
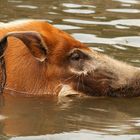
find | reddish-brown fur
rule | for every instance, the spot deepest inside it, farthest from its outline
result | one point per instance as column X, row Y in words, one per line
column 27, row 75
column 23, row 71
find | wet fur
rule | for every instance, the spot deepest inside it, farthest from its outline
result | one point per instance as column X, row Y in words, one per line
column 25, row 74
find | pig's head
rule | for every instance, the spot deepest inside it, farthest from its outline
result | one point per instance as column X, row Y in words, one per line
column 68, row 67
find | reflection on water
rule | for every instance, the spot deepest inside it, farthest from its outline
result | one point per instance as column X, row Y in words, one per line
column 41, row 116
column 128, row 1
column 124, row 10
column 109, row 26
column 80, row 135
column 123, row 22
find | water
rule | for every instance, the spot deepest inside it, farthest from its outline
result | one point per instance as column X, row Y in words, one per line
column 111, row 27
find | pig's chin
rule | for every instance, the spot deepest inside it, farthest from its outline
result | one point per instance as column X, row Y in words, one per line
column 93, row 84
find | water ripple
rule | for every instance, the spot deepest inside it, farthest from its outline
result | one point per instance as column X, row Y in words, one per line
column 125, row 22
column 27, row 6
column 124, row 10
column 133, row 41
column 2, row 117
column 15, row 1
column 72, row 5
column 128, row 1
column 79, row 135
column 67, row 27
column 79, row 11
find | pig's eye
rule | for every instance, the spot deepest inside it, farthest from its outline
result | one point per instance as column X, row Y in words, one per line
column 75, row 56
column 78, row 55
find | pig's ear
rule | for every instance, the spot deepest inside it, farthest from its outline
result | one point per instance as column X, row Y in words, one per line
column 33, row 41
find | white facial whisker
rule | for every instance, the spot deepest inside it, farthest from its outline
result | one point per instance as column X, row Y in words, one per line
column 69, row 78
column 83, row 81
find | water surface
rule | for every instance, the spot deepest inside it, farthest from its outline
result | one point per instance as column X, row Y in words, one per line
column 111, row 27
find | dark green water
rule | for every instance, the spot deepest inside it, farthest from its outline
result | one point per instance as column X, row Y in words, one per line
column 109, row 26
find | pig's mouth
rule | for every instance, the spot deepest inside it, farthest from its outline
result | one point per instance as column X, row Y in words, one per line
column 102, row 82
column 92, row 84
column 105, row 83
